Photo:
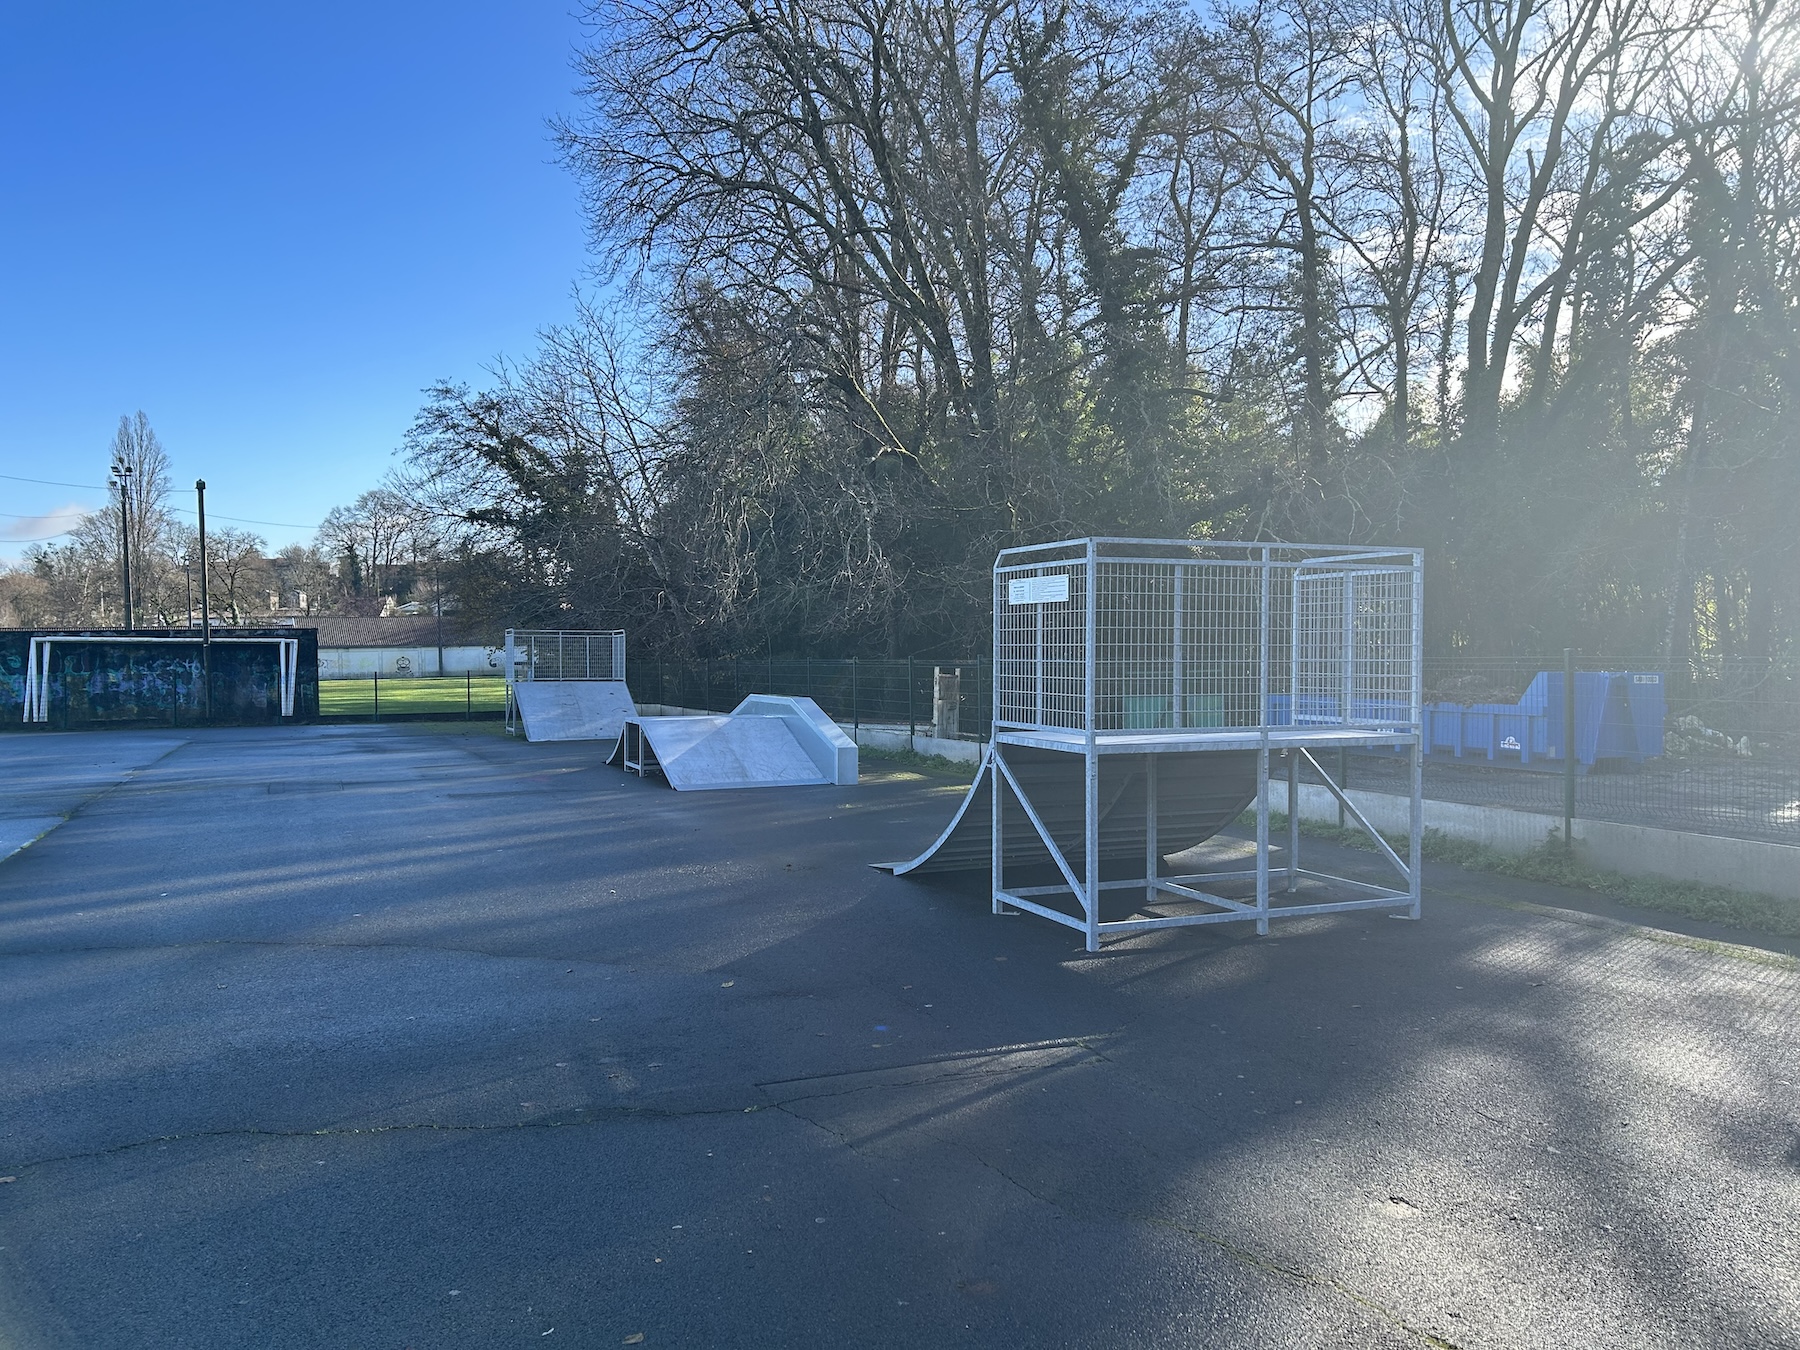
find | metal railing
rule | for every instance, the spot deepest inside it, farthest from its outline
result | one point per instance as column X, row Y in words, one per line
column 549, row 654
column 459, row 696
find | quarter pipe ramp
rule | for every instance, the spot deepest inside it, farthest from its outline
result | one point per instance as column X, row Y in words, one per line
column 1197, row 795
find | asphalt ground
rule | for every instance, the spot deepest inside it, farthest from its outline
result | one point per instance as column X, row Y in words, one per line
column 396, row 1037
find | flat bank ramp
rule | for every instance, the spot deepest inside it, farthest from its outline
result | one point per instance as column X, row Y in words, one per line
column 1197, row 795
column 573, row 710
column 764, row 742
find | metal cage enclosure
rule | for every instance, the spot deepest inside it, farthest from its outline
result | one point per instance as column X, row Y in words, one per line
column 1154, row 647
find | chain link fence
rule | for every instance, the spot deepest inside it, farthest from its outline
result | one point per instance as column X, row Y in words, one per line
column 898, row 694
column 1730, row 761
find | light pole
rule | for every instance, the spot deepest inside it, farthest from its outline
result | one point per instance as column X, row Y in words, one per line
column 437, row 605
column 122, row 477
column 205, row 610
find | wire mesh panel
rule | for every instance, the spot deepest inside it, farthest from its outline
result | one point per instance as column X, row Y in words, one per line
column 1040, row 644
column 1205, row 635
column 549, row 654
column 1352, row 647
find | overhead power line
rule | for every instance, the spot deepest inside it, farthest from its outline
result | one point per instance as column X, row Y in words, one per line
column 183, row 510
column 50, row 482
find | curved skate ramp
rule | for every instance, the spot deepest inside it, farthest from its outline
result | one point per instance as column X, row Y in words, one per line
column 1197, row 795
column 573, row 710
column 764, row 742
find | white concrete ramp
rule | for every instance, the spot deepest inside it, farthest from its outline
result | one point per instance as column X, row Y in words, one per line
column 1197, row 795
column 764, row 742
column 573, row 710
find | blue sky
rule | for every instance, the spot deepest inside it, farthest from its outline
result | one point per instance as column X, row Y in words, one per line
column 269, row 227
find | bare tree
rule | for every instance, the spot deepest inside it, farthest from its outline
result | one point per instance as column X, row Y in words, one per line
column 151, row 528
column 370, row 538
column 236, row 572
column 915, row 278
column 1538, row 90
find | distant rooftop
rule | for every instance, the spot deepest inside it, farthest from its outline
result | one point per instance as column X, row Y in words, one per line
column 399, row 630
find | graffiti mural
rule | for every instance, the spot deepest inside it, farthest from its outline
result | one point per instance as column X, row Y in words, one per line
column 155, row 676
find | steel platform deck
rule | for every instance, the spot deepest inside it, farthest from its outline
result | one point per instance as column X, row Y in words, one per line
column 1190, row 740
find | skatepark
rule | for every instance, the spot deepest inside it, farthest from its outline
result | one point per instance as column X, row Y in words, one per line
column 479, row 1034
column 401, row 1036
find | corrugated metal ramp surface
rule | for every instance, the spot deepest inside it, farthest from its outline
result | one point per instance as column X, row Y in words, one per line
column 1197, row 795
column 766, row 742
column 573, row 710
column 697, row 753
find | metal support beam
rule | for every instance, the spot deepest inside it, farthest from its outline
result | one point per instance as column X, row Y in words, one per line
column 1152, row 849
column 1293, row 815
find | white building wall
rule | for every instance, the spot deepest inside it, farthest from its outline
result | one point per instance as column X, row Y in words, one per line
column 343, row 663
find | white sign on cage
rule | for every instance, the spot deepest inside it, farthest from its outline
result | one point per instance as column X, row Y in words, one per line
column 1038, row 591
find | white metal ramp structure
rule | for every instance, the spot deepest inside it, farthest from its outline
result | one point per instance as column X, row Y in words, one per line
column 566, row 686
column 1143, row 692
column 764, row 742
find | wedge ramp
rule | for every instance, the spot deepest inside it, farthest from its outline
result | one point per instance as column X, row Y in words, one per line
column 764, row 742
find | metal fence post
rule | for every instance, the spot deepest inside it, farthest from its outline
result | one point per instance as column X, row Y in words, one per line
column 855, row 705
column 468, row 696
column 1569, row 749
column 375, row 713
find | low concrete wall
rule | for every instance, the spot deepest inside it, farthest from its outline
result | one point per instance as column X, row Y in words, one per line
column 1635, row 850
column 898, row 738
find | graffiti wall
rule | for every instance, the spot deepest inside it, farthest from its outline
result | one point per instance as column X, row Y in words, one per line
column 155, row 676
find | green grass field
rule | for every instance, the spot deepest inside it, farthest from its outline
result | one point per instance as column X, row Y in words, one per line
column 449, row 696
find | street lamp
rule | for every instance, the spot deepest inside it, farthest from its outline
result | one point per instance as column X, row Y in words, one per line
column 205, row 610
column 121, row 472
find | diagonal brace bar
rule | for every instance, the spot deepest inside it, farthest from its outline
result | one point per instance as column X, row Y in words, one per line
column 1037, row 824
column 1362, row 820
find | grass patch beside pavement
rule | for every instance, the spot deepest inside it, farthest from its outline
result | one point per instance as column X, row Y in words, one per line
column 449, row 696
column 912, row 759
column 1550, row 864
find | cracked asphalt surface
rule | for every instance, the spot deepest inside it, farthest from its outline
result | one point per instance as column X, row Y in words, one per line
column 403, row 1037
